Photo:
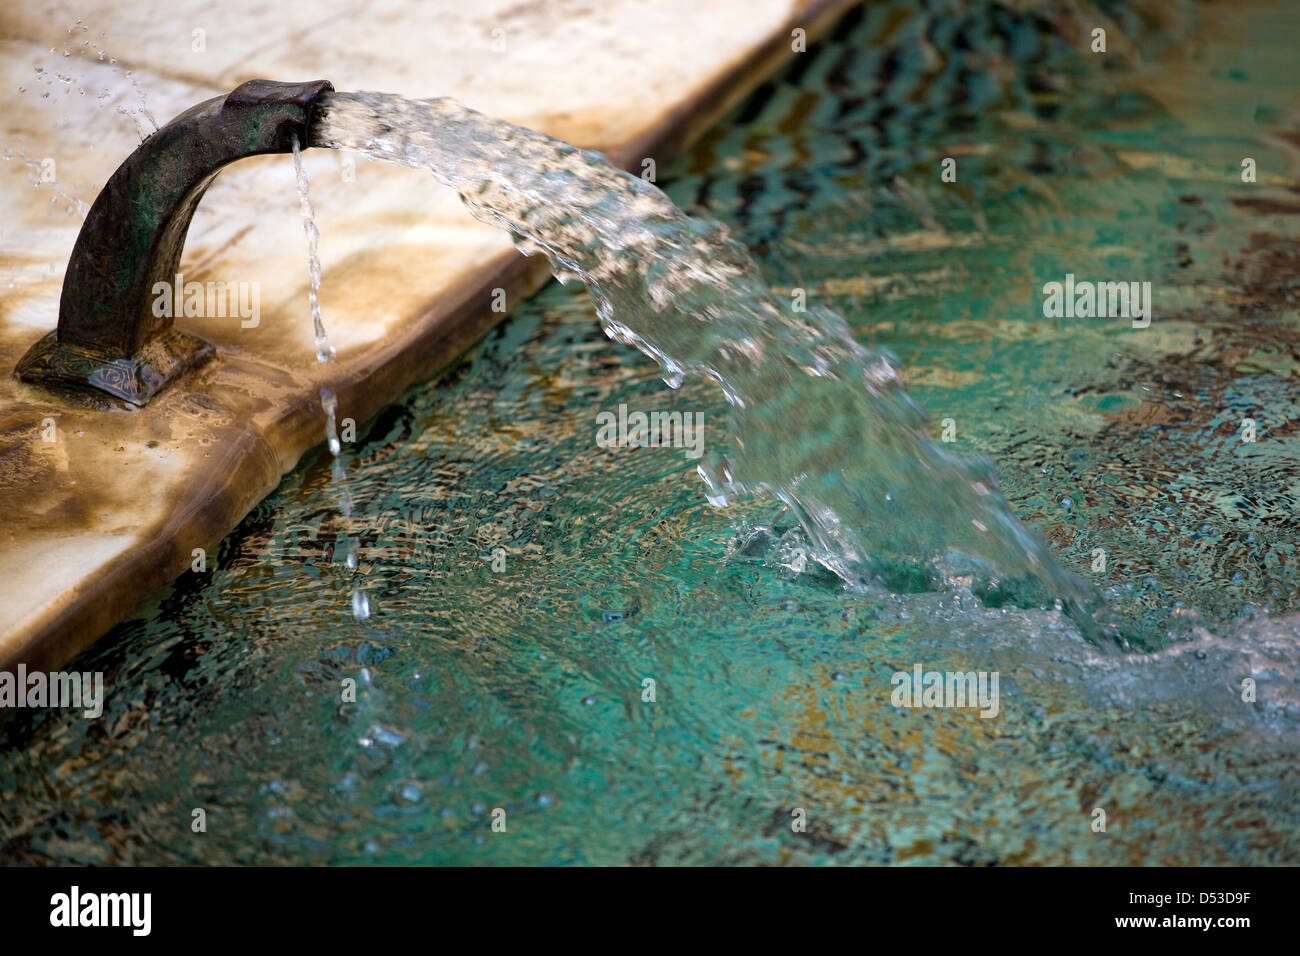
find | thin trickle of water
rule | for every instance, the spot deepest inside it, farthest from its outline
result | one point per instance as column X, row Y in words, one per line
column 330, row 403
column 817, row 420
column 324, row 351
column 328, row 400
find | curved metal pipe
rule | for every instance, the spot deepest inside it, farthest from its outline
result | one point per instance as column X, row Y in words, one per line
column 108, row 338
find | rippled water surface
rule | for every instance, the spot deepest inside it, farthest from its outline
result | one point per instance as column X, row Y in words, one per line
column 524, row 688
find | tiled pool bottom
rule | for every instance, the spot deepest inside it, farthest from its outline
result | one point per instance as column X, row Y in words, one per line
column 516, row 681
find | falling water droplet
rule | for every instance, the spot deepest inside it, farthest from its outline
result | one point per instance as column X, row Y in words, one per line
column 360, row 604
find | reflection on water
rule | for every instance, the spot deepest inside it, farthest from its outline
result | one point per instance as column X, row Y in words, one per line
column 524, row 688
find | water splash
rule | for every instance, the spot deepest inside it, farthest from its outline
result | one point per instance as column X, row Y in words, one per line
column 817, row 420
column 38, row 178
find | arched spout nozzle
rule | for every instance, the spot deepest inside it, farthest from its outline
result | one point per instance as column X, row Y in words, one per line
column 108, row 338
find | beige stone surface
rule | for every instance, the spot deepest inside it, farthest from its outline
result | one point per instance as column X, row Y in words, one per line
column 111, row 509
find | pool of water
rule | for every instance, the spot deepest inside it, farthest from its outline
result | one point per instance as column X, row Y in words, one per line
column 573, row 635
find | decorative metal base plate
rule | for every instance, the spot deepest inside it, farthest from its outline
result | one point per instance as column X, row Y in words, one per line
column 136, row 379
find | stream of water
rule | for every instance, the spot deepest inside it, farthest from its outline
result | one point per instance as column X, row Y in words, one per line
column 325, row 353
column 817, row 420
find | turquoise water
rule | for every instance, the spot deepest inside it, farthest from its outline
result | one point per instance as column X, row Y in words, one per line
column 523, row 688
